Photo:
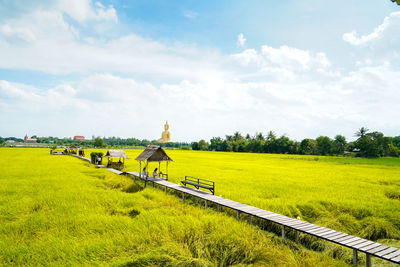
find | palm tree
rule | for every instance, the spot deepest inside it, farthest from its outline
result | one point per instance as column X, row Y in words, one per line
column 237, row 136
column 228, row 137
column 259, row 137
column 361, row 132
column 271, row 136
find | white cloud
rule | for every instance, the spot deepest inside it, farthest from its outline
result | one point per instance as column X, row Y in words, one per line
column 282, row 64
column 390, row 26
column 130, row 85
column 82, row 10
column 21, row 33
column 190, row 14
column 213, row 106
column 241, row 41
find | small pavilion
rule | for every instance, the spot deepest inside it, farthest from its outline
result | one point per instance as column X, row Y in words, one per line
column 154, row 153
column 113, row 155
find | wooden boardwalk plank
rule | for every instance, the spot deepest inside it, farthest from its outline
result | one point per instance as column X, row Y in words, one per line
column 295, row 224
column 357, row 242
column 308, row 227
column 326, row 231
column 261, row 214
column 396, row 259
column 225, row 203
column 316, row 230
column 374, row 245
column 348, row 237
column 347, row 241
column 247, row 209
column 378, row 249
column 334, row 233
column 255, row 211
column 280, row 219
column 320, row 231
column 365, row 243
column 336, row 237
column 269, row 217
column 392, row 255
column 300, row 226
column 384, row 252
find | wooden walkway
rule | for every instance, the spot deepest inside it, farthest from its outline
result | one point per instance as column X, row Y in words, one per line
column 357, row 244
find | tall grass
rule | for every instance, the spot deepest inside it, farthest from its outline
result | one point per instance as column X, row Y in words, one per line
column 58, row 210
column 356, row 196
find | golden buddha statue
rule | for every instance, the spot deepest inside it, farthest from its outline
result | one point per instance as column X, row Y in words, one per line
column 166, row 135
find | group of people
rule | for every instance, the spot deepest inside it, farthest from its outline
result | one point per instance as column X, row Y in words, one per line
column 155, row 173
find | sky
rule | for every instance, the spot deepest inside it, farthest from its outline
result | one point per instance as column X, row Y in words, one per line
column 122, row 68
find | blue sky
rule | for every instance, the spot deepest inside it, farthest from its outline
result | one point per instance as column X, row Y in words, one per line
column 300, row 68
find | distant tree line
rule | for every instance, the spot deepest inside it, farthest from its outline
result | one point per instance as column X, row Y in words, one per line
column 99, row 142
column 368, row 144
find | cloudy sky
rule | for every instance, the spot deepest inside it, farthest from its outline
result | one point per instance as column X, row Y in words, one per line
column 121, row 68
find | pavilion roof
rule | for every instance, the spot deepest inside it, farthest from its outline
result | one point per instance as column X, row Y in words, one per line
column 153, row 153
column 116, row 154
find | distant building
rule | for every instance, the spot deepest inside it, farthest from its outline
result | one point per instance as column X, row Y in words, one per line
column 29, row 140
column 79, row 137
column 10, row 141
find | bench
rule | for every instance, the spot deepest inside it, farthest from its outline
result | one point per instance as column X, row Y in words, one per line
column 199, row 183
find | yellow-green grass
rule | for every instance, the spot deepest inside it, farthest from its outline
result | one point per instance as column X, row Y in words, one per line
column 59, row 210
column 357, row 196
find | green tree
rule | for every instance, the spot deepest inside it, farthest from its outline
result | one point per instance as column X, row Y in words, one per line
column 259, row 137
column 216, row 144
column 394, row 151
column 195, row 146
column 308, row 147
column 361, row 132
column 98, row 142
column 324, row 145
column 339, row 144
column 396, row 141
column 271, row 136
column 237, row 136
column 203, row 145
column 368, row 147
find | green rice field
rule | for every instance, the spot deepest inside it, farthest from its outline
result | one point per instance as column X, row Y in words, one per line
column 59, row 210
